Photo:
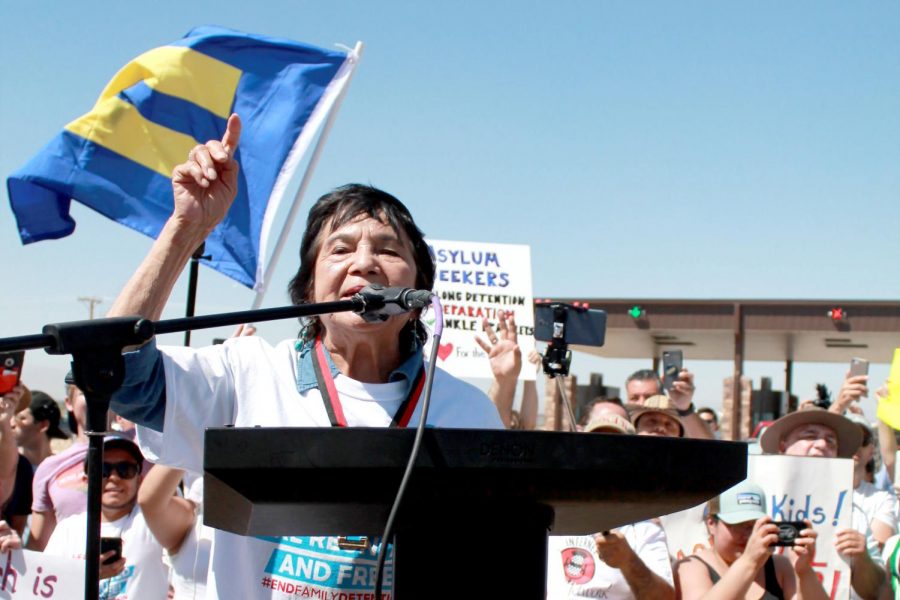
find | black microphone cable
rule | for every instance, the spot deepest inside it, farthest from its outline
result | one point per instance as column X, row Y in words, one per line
column 417, row 443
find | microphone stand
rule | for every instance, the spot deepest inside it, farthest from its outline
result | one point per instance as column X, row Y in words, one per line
column 99, row 369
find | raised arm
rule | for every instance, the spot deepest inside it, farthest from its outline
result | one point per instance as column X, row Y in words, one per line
column 506, row 362
column 9, row 453
column 887, row 442
column 169, row 517
column 852, row 390
column 203, row 188
column 682, row 396
column 529, row 409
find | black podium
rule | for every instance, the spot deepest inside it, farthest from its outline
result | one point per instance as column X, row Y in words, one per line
column 479, row 505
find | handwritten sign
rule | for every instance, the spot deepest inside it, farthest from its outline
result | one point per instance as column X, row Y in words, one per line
column 477, row 281
column 27, row 574
column 797, row 488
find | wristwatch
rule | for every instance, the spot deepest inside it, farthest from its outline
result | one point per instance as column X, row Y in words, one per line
column 687, row 411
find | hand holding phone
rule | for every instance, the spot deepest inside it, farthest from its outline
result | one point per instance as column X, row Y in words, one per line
column 788, row 531
column 111, row 543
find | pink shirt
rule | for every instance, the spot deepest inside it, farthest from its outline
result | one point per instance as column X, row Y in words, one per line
column 59, row 483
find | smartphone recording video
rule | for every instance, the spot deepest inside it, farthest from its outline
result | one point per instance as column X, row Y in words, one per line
column 859, row 366
column 111, row 543
column 10, row 370
column 569, row 324
column 673, row 362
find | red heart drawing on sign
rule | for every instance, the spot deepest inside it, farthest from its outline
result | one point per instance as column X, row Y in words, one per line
column 444, row 350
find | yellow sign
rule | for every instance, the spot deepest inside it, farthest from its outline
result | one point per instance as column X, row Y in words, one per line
column 889, row 407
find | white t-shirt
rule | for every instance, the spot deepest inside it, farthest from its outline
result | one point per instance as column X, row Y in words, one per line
column 145, row 576
column 860, row 522
column 574, row 570
column 877, row 504
column 189, row 566
column 247, row 382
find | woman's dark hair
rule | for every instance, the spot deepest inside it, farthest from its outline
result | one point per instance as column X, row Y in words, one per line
column 339, row 207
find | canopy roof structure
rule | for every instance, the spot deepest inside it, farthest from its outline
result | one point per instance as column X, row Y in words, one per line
column 758, row 330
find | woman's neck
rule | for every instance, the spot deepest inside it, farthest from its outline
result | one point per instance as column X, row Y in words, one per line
column 37, row 453
column 369, row 360
column 721, row 560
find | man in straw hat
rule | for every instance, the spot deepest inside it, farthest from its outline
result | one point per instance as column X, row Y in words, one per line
column 657, row 415
column 817, row 432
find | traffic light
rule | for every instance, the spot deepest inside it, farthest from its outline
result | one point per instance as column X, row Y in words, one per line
column 837, row 314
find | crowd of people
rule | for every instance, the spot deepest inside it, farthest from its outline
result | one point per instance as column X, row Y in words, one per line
column 741, row 559
column 344, row 370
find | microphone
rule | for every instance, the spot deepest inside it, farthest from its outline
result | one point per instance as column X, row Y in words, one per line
column 380, row 302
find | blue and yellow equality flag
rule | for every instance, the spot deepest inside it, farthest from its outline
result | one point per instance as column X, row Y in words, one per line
column 118, row 158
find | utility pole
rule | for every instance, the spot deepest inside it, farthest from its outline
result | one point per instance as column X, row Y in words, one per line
column 91, row 302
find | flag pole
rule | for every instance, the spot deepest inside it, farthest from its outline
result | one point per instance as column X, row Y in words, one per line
column 192, row 287
column 313, row 161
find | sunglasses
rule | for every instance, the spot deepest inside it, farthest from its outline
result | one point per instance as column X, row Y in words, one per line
column 125, row 470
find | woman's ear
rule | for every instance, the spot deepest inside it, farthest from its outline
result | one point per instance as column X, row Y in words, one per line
column 710, row 524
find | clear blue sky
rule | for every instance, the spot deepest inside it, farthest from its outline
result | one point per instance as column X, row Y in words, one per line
column 651, row 149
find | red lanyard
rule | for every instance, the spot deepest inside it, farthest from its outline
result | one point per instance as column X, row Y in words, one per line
column 332, row 400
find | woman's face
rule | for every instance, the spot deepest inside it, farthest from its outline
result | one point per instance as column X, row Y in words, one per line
column 729, row 540
column 361, row 252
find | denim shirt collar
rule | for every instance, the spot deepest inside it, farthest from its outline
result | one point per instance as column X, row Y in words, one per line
column 306, row 373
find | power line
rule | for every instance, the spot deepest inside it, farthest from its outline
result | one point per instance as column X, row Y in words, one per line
column 91, row 302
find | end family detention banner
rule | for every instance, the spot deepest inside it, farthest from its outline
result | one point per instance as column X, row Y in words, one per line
column 797, row 488
column 477, row 281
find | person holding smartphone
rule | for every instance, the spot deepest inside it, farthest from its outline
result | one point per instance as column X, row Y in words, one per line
column 646, row 383
column 138, row 573
column 740, row 562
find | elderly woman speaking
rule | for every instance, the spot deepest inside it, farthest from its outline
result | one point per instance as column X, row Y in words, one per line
column 342, row 371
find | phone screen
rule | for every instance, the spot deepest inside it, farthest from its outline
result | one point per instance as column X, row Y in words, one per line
column 672, row 364
column 111, row 543
column 10, row 370
column 582, row 327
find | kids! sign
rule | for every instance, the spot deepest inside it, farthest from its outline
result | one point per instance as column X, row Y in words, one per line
column 797, row 488
column 477, row 281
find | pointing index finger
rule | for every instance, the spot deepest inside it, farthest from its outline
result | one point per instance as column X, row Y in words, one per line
column 232, row 134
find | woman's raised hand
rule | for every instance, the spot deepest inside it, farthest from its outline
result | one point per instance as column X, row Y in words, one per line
column 206, row 184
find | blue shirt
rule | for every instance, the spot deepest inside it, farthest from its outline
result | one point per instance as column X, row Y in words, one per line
column 142, row 397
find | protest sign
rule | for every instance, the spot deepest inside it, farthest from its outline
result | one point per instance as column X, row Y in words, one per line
column 27, row 574
column 797, row 488
column 477, row 281
column 889, row 406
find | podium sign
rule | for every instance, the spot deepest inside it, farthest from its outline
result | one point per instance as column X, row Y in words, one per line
column 508, row 487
